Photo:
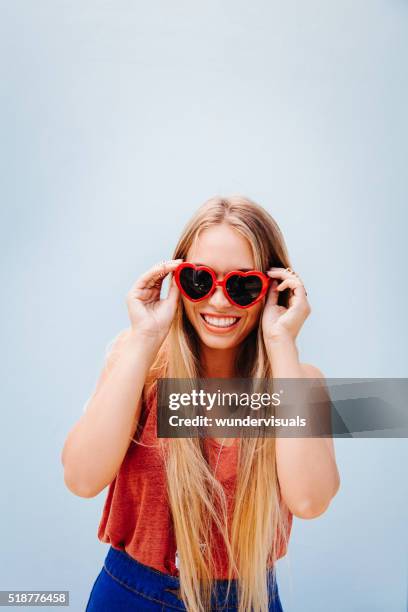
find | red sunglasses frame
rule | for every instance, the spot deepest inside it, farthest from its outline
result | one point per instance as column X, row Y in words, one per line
column 216, row 283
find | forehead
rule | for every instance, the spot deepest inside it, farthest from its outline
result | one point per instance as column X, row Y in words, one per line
column 222, row 248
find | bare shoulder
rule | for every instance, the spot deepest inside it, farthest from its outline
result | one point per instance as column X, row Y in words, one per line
column 311, row 371
column 112, row 352
column 118, row 341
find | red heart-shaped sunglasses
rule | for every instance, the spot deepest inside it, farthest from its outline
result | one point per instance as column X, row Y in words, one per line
column 242, row 289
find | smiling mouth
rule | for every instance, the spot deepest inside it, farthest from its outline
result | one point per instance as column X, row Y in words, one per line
column 222, row 322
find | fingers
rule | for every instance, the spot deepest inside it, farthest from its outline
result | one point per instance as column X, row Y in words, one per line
column 153, row 278
column 291, row 280
column 282, row 273
column 290, row 283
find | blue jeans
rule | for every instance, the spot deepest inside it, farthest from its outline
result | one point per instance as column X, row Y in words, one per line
column 125, row 584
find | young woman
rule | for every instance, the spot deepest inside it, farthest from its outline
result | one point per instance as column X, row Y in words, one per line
column 198, row 524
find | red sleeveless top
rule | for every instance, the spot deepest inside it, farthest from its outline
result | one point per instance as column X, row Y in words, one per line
column 136, row 515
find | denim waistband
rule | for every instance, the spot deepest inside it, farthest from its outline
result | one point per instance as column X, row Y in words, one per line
column 152, row 583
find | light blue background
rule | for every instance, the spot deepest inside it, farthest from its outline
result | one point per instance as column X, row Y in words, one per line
column 118, row 119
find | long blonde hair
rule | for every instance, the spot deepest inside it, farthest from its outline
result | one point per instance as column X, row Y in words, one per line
column 196, row 497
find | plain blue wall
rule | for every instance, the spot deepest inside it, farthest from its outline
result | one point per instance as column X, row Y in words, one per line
column 118, row 120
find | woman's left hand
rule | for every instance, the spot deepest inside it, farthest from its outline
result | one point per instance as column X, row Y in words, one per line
column 277, row 321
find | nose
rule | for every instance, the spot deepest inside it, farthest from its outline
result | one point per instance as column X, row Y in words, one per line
column 218, row 299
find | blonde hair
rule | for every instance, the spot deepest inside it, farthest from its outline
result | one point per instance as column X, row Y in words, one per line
column 196, row 497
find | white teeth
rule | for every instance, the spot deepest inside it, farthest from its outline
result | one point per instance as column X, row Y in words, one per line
column 220, row 321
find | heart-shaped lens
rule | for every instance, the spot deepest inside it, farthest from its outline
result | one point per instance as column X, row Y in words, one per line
column 244, row 290
column 196, row 283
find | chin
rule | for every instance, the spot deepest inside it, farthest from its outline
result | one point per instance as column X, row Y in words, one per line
column 217, row 343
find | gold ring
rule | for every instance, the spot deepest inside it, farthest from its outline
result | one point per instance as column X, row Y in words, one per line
column 292, row 272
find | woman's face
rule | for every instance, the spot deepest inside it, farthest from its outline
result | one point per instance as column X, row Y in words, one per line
column 218, row 323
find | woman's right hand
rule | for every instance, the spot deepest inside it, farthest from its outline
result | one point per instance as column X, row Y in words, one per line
column 149, row 315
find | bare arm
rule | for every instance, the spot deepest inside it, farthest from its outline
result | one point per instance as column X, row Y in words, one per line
column 307, row 469
column 97, row 444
